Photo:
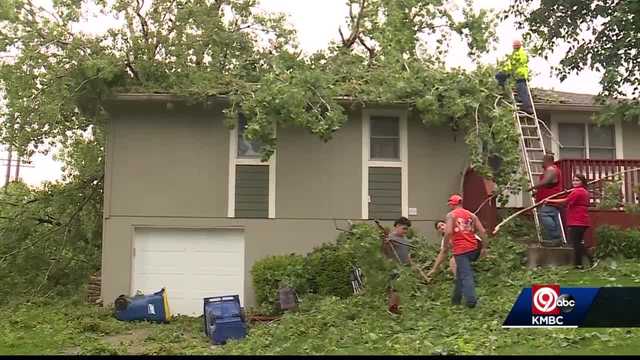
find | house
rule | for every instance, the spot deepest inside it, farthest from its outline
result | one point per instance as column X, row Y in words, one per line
column 189, row 205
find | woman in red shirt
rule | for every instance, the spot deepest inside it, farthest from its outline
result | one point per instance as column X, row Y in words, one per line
column 577, row 203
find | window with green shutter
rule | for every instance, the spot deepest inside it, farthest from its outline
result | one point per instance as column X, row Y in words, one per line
column 385, row 193
column 252, row 191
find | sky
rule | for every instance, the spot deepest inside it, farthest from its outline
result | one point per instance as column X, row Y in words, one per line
column 317, row 23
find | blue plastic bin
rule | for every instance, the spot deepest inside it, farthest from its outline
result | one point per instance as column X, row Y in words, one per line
column 154, row 307
column 223, row 319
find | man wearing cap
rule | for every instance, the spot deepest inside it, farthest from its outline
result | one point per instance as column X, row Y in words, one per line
column 462, row 228
column 516, row 66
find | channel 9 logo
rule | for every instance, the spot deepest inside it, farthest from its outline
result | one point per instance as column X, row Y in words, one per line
column 547, row 304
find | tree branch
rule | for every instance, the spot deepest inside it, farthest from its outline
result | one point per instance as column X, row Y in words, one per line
column 85, row 82
column 53, row 231
column 143, row 21
column 371, row 50
column 355, row 30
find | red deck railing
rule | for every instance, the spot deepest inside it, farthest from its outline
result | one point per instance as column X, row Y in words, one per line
column 597, row 169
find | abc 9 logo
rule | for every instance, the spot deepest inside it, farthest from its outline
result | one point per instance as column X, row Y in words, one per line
column 547, row 300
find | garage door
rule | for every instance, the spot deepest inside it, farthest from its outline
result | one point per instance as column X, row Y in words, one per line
column 190, row 264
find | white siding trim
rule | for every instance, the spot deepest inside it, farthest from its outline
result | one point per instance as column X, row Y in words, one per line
column 365, row 164
column 404, row 158
column 233, row 150
column 389, row 164
column 619, row 144
column 555, row 130
column 234, row 161
column 272, row 186
column 403, row 163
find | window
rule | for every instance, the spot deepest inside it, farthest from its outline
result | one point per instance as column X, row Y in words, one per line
column 602, row 142
column 385, row 138
column 251, row 181
column 384, row 170
column 252, row 191
column 587, row 141
column 385, row 185
column 247, row 149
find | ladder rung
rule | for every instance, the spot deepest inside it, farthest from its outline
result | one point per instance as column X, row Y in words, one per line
column 536, row 161
column 529, row 126
column 531, row 137
column 534, row 149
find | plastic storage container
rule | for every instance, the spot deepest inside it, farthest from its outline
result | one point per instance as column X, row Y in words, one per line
column 154, row 307
column 223, row 319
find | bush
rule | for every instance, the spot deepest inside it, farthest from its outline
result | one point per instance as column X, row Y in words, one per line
column 267, row 274
column 328, row 268
column 614, row 241
column 611, row 195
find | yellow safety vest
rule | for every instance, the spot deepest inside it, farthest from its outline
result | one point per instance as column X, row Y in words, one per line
column 517, row 64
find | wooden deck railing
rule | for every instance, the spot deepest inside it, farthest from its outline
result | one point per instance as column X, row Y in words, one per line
column 597, row 169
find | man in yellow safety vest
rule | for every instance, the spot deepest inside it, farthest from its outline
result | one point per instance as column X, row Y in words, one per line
column 516, row 66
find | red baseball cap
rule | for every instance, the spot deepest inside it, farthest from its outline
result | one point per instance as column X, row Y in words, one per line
column 455, row 199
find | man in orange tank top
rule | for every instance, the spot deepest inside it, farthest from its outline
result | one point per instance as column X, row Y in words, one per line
column 461, row 236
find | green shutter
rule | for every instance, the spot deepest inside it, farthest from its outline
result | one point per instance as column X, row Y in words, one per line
column 385, row 192
column 252, row 191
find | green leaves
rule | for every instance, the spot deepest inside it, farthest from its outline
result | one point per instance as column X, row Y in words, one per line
column 601, row 35
column 615, row 242
column 60, row 78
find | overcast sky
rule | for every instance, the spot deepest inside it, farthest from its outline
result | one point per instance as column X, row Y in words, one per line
column 317, row 22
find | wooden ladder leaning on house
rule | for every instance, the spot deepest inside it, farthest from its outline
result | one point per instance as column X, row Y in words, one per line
column 532, row 152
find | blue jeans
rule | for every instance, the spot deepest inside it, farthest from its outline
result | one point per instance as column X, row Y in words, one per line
column 550, row 220
column 465, row 284
column 523, row 94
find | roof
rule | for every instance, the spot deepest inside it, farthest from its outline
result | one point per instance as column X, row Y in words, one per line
column 544, row 99
column 561, row 100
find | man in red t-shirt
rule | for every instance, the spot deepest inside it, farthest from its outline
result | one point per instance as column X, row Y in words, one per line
column 549, row 183
column 461, row 232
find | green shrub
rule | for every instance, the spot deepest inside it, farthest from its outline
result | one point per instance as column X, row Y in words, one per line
column 267, row 274
column 611, row 196
column 328, row 268
column 614, row 241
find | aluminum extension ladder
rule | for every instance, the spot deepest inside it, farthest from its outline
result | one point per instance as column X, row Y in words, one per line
column 532, row 152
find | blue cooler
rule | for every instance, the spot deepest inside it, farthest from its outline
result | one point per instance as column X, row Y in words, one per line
column 153, row 307
column 223, row 319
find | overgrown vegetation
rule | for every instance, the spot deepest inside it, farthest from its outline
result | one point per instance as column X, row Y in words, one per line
column 616, row 242
column 270, row 272
column 352, row 325
column 50, row 237
column 390, row 52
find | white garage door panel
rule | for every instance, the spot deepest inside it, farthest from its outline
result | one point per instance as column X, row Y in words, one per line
column 190, row 264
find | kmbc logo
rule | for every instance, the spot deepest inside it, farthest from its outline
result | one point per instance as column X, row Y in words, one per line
column 546, row 300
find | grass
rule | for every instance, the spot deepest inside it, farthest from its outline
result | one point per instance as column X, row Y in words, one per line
column 354, row 325
column 357, row 325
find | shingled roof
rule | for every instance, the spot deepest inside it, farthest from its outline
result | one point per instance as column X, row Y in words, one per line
column 543, row 99
column 562, row 100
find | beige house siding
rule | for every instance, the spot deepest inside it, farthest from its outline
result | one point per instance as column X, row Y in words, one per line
column 437, row 159
column 317, row 179
column 158, row 164
column 631, row 136
column 169, row 168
